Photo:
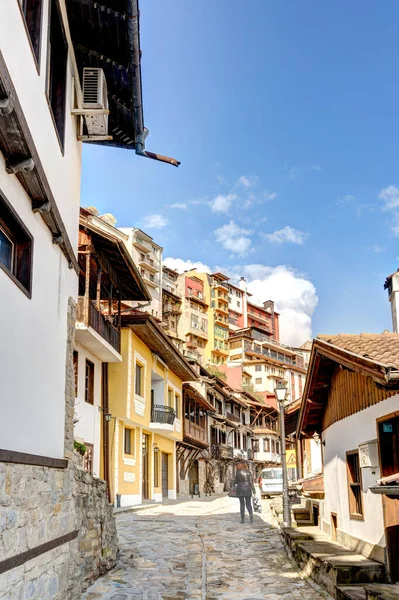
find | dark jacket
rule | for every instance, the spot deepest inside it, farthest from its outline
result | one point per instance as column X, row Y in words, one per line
column 244, row 483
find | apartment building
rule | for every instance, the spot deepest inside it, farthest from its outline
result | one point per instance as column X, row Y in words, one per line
column 147, row 254
column 193, row 325
column 172, row 306
column 145, row 412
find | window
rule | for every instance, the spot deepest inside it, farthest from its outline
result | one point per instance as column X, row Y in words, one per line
column 129, row 441
column 76, row 370
column 16, row 245
column 57, row 71
column 177, row 406
column 170, row 398
column 238, row 303
column 32, row 11
column 138, row 386
column 255, row 445
column 273, row 446
column 89, row 382
column 266, row 444
column 156, row 467
column 258, row 367
column 258, row 380
column 354, row 485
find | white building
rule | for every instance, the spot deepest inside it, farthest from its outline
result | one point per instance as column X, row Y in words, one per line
column 148, row 255
column 44, row 47
column 350, row 409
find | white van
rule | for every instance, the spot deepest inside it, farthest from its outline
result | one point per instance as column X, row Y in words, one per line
column 271, row 482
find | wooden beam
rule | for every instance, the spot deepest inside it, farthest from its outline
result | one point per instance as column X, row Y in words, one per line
column 23, row 458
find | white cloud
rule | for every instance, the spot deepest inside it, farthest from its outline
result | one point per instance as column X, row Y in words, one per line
column 270, row 196
column 180, row 205
column 345, row 199
column 247, row 181
column 294, row 295
column 180, row 265
column 377, row 248
column 286, row 235
column 155, row 221
column 234, row 238
column 222, row 203
column 389, row 197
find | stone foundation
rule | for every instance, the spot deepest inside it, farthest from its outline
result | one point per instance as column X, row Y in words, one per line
column 40, row 504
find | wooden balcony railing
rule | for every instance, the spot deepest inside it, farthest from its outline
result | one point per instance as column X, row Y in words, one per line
column 231, row 417
column 222, row 451
column 195, row 431
column 91, row 317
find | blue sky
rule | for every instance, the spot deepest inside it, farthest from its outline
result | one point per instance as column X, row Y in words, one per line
column 285, row 116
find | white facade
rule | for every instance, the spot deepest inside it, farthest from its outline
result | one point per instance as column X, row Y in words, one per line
column 33, row 331
column 148, row 257
column 341, row 437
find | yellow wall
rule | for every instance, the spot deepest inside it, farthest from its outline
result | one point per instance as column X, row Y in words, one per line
column 125, row 407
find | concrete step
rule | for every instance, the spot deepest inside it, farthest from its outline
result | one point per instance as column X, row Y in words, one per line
column 332, row 565
column 351, row 592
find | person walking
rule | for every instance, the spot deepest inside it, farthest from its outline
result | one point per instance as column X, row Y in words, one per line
column 244, row 485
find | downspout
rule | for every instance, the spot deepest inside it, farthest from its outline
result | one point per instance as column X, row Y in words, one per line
column 141, row 132
column 105, row 407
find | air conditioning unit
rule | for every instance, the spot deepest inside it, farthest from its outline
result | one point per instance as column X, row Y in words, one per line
column 95, row 96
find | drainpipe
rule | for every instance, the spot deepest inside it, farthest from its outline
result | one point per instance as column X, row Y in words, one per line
column 135, row 68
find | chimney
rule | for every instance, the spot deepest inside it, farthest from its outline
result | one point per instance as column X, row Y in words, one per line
column 269, row 306
column 243, row 284
column 392, row 285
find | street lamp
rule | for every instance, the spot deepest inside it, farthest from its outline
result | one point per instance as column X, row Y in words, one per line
column 280, row 392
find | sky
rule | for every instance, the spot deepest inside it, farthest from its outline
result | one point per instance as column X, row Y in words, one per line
column 285, row 117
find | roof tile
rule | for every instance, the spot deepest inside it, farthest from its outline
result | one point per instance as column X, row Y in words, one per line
column 380, row 347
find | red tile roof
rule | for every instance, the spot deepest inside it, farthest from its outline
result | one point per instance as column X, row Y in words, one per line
column 379, row 347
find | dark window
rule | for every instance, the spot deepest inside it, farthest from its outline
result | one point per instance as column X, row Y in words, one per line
column 89, row 382
column 273, row 446
column 221, row 474
column 156, row 467
column 32, row 11
column 88, row 459
column 16, row 247
column 255, row 445
column 128, row 441
column 266, row 444
column 57, row 70
column 76, row 370
column 354, row 485
column 138, row 388
column 177, row 406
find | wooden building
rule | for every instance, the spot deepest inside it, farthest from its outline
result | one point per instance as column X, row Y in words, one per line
column 350, row 408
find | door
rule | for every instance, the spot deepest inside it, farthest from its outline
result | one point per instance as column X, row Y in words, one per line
column 145, row 465
column 388, row 438
column 165, row 474
column 193, row 477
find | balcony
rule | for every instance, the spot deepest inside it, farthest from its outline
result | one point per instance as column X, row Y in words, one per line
column 268, row 457
column 172, row 309
column 231, row 417
column 223, row 308
column 243, row 454
column 149, row 264
column 195, row 432
column 220, row 451
column 162, row 418
column 150, row 279
column 142, row 244
column 197, row 297
column 96, row 332
column 199, row 331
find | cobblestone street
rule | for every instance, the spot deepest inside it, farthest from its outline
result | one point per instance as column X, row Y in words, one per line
column 199, row 550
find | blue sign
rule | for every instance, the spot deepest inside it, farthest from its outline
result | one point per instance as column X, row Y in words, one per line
column 387, row 427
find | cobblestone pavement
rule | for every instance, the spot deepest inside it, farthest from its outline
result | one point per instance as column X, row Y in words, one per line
column 198, row 549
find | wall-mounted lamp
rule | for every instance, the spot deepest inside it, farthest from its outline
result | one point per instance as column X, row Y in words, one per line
column 156, row 449
column 107, row 416
column 317, row 439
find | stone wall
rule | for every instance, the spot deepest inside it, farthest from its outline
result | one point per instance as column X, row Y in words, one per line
column 39, row 504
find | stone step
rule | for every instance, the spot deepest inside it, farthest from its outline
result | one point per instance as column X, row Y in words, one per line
column 382, row 592
column 304, row 522
column 351, row 592
column 332, row 565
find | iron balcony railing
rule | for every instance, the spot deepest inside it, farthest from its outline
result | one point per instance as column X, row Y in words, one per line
column 163, row 414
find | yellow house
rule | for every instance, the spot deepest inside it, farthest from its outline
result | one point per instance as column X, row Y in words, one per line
column 144, row 413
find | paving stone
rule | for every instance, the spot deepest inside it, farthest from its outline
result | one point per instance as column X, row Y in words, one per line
column 167, row 551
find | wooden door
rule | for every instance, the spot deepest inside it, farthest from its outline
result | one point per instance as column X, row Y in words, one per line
column 145, row 465
column 388, row 438
column 165, row 474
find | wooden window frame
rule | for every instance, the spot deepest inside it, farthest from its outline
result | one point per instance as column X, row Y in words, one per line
column 21, row 272
column 59, row 120
column 88, row 458
column 32, row 16
column 139, row 380
column 128, row 435
column 351, row 483
column 89, row 381
column 177, row 405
